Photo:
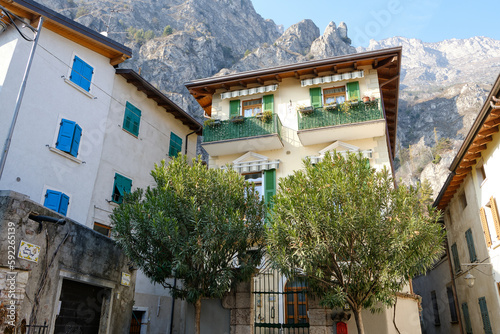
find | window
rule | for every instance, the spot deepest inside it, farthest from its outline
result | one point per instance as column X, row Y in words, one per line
column 296, row 302
column 81, row 73
column 121, row 186
column 353, row 91
column 132, row 119
column 465, row 312
column 175, row 145
column 234, row 108
column 470, row 245
column 103, row 229
column 494, row 214
column 68, row 139
column 437, row 322
column 269, row 185
column 57, row 201
column 486, row 229
column 485, row 316
column 256, row 179
column 456, row 260
column 334, row 95
column 252, row 107
column 315, row 94
column 481, row 174
column 451, row 303
column 463, row 200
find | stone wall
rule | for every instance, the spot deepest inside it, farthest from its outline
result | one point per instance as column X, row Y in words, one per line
column 30, row 289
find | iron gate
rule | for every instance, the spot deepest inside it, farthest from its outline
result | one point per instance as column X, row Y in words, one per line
column 280, row 304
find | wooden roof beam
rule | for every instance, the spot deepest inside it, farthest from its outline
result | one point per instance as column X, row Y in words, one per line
column 482, row 141
column 386, row 62
column 469, row 163
column 241, row 83
column 487, row 132
column 277, row 77
column 492, row 123
column 472, row 156
column 476, row 149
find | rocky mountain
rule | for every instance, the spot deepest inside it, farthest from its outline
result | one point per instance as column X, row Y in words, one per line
column 443, row 84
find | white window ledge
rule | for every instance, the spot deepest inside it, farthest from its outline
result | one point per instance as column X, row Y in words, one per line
column 66, row 155
column 78, row 88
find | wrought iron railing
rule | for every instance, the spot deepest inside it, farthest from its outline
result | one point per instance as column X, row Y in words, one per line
column 241, row 128
column 341, row 114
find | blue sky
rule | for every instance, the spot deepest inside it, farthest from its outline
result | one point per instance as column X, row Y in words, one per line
column 428, row 20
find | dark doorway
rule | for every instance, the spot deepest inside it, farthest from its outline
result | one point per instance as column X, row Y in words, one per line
column 81, row 307
column 135, row 325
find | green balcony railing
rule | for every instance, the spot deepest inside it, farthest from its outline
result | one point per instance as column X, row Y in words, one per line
column 248, row 127
column 322, row 117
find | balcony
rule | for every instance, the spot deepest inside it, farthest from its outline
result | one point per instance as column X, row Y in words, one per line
column 323, row 125
column 251, row 134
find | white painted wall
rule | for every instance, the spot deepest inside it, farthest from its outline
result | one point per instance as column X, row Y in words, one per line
column 48, row 98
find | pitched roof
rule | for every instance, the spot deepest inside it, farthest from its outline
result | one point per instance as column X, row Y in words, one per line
column 69, row 29
column 387, row 62
column 153, row 93
column 484, row 127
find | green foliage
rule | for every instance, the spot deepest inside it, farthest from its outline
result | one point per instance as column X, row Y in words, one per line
column 354, row 235
column 192, row 225
column 82, row 11
column 425, row 193
column 139, row 36
column 168, row 31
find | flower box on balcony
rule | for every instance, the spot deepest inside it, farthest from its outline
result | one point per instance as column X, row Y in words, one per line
column 212, row 122
column 306, row 110
column 331, row 107
column 237, row 119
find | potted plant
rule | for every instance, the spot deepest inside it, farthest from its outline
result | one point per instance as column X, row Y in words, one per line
column 366, row 99
column 331, row 106
column 305, row 110
column 237, row 119
column 211, row 122
column 267, row 116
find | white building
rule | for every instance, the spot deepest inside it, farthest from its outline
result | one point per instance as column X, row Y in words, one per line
column 86, row 132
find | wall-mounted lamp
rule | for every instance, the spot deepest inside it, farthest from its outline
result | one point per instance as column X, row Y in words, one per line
column 470, row 280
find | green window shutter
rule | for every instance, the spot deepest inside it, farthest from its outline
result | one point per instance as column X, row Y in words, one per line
column 268, row 102
column 485, row 316
column 121, row 186
column 353, row 90
column 465, row 312
column 315, row 97
column 175, row 145
column 132, row 119
column 470, row 245
column 269, row 185
column 456, row 260
column 234, row 108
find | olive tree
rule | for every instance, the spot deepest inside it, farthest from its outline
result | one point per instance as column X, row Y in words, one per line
column 355, row 237
column 202, row 226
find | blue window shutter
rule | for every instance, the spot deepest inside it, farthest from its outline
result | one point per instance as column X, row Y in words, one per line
column 76, row 140
column 465, row 312
column 63, row 206
column 65, row 137
column 52, row 200
column 485, row 316
column 470, row 245
column 81, row 73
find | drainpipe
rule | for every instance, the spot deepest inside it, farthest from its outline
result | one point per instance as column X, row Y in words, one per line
column 173, row 301
column 20, row 97
column 189, row 134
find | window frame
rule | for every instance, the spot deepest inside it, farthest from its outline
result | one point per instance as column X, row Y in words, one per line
column 73, row 147
column 116, row 188
column 251, row 107
column 74, row 71
column 435, row 308
column 175, row 146
column 326, row 96
column 132, row 117
column 106, row 227
column 60, row 196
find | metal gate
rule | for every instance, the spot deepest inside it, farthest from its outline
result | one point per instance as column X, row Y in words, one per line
column 280, row 304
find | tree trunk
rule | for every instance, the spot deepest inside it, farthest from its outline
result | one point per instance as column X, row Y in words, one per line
column 197, row 313
column 359, row 320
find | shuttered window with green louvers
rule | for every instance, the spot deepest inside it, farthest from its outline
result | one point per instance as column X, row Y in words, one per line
column 234, row 108
column 315, row 94
column 353, row 90
column 132, row 119
column 268, row 102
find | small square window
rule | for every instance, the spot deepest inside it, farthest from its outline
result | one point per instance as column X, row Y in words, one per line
column 81, row 73
column 121, row 186
column 132, row 119
column 68, row 139
column 103, row 229
column 175, row 145
column 57, row 201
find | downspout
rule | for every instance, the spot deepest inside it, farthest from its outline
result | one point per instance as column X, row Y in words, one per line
column 20, row 98
column 173, row 304
column 189, row 134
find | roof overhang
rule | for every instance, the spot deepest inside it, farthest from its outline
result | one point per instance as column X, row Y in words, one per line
column 69, row 29
column 484, row 127
column 387, row 62
column 153, row 93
